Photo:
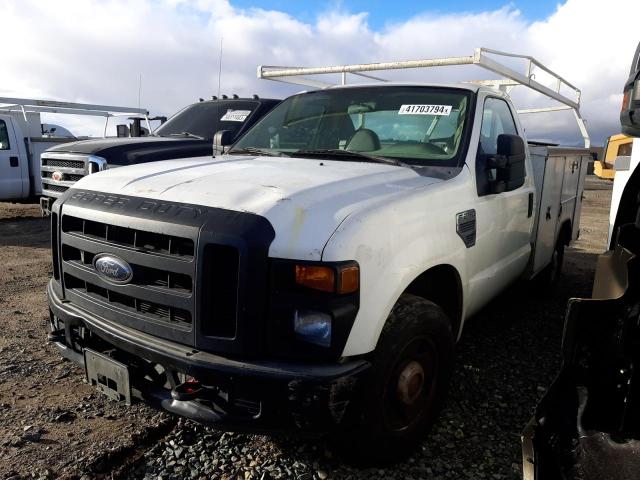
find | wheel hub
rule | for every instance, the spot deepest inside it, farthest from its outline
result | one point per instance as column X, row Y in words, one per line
column 410, row 383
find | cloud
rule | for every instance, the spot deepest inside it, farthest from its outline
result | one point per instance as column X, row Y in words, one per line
column 94, row 51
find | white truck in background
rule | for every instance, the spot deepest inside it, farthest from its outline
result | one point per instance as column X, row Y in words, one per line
column 318, row 275
column 23, row 138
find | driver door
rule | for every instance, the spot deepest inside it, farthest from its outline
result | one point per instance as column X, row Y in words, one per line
column 10, row 167
column 504, row 219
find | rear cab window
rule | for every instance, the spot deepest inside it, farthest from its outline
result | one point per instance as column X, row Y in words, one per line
column 4, row 136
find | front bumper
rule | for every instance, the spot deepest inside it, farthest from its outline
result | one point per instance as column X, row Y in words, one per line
column 238, row 395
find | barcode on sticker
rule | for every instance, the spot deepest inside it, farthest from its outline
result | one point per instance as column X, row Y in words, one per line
column 235, row 115
column 425, row 110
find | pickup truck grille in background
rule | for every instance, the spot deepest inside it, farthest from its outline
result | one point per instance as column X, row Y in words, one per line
column 53, row 190
column 67, row 176
column 159, row 298
column 71, row 166
column 52, row 162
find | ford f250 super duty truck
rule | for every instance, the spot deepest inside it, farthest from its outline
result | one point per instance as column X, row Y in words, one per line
column 319, row 274
column 188, row 133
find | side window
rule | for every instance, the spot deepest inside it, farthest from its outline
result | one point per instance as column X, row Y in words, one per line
column 625, row 149
column 4, row 136
column 496, row 119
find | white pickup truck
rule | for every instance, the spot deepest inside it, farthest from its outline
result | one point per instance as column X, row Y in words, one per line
column 319, row 274
column 23, row 139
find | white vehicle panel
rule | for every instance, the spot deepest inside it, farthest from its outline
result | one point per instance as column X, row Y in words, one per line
column 392, row 249
column 304, row 199
column 619, row 182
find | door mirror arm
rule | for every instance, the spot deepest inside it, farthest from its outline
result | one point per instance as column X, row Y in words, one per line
column 497, row 161
column 221, row 139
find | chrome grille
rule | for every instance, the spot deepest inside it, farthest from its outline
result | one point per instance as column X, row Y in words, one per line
column 52, row 162
column 66, row 176
column 71, row 166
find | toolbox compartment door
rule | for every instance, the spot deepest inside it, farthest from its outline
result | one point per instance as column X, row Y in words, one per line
column 559, row 176
column 550, row 171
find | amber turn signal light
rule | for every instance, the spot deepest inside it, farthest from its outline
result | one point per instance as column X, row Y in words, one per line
column 320, row 277
column 316, row 277
column 349, row 279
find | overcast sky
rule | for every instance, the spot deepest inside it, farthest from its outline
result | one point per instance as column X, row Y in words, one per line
column 95, row 51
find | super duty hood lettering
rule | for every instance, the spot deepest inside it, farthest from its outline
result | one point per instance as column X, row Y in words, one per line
column 150, row 206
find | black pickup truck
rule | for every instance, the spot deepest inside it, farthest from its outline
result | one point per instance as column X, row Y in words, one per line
column 189, row 133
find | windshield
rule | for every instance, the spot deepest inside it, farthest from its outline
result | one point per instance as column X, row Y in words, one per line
column 416, row 125
column 204, row 119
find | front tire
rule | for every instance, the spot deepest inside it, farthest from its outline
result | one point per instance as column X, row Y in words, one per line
column 404, row 390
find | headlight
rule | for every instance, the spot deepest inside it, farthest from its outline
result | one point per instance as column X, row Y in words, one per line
column 312, row 307
column 313, row 327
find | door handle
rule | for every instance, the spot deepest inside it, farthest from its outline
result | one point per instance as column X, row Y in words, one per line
column 13, row 161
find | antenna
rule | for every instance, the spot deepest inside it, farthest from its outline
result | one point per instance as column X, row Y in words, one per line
column 220, row 66
column 139, row 89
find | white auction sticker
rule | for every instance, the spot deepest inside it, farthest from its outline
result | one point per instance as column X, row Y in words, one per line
column 425, row 110
column 236, row 115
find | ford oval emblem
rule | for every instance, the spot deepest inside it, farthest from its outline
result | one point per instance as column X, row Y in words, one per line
column 57, row 176
column 112, row 268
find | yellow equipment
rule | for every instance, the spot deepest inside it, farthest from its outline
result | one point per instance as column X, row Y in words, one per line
column 617, row 146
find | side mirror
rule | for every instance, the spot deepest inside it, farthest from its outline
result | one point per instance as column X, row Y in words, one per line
column 508, row 163
column 221, row 139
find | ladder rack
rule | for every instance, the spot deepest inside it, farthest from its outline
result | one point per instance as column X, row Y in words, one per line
column 483, row 57
column 27, row 105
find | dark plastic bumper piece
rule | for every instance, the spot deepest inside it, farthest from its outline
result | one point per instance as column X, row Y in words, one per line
column 290, row 396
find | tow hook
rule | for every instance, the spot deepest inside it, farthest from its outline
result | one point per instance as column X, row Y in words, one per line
column 56, row 336
column 186, row 391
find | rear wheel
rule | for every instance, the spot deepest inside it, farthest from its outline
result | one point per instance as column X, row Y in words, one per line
column 403, row 392
column 552, row 273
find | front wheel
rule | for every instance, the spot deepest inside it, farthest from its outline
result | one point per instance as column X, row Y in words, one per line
column 403, row 392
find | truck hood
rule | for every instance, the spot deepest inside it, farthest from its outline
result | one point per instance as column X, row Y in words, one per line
column 305, row 200
column 132, row 150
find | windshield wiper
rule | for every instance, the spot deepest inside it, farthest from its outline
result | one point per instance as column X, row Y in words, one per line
column 185, row 134
column 258, row 151
column 348, row 155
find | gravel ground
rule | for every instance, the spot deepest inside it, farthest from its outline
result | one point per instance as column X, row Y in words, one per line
column 507, row 356
column 52, row 425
